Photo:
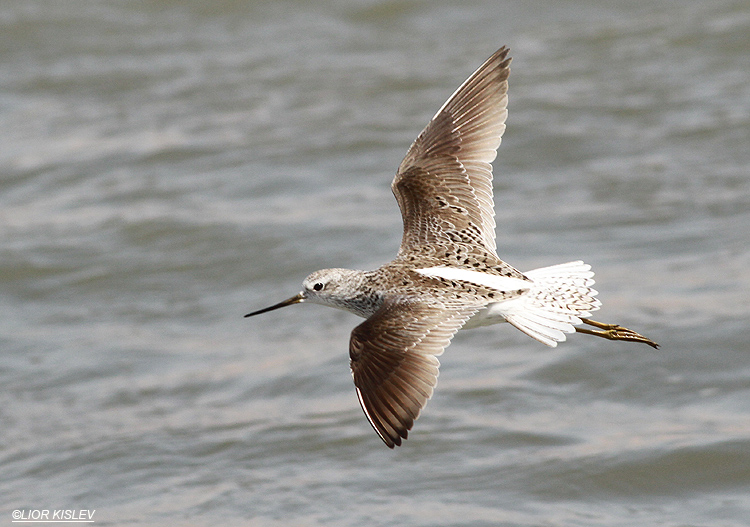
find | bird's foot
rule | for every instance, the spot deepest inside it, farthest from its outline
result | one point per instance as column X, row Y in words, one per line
column 614, row 332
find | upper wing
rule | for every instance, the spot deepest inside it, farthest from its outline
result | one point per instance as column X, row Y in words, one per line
column 444, row 184
column 394, row 363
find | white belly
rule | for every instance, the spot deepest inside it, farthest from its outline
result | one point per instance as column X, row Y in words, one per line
column 483, row 318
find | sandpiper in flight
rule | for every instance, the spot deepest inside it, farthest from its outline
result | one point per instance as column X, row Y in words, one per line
column 447, row 275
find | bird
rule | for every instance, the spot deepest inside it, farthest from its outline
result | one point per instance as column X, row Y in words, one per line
column 447, row 275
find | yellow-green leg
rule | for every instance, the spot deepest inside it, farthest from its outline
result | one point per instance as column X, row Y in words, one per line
column 614, row 332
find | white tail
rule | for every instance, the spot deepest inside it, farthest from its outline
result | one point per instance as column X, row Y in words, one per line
column 559, row 296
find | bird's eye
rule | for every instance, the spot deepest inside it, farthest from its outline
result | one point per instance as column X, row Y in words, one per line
column 318, row 286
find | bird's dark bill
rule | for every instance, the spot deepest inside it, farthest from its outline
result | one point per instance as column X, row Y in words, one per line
column 296, row 299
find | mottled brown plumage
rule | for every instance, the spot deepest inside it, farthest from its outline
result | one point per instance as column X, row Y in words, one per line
column 444, row 184
column 447, row 274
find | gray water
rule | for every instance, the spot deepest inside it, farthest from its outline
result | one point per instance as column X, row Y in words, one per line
column 166, row 167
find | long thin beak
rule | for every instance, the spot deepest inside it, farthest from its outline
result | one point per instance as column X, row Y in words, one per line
column 296, row 299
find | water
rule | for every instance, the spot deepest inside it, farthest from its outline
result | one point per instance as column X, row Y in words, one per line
column 167, row 167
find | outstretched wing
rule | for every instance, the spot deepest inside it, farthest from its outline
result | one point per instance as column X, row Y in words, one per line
column 394, row 362
column 444, row 184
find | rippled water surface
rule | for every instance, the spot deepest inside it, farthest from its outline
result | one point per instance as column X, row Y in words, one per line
column 166, row 167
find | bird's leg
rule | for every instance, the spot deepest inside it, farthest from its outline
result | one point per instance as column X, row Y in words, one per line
column 614, row 332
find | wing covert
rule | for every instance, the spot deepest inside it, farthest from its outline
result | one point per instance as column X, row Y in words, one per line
column 394, row 362
column 444, row 184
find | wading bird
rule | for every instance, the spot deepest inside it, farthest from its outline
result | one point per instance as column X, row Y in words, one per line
column 447, row 274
